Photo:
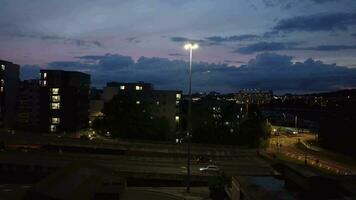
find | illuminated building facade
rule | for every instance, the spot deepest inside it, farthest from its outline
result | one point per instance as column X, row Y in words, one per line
column 64, row 100
column 9, row 79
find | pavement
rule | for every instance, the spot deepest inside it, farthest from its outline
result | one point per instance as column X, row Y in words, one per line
column 288, row 145
column 166, row 193
column 13, row 191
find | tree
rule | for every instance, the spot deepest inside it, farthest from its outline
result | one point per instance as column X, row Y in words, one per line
column 255, row 130
column 124, row 117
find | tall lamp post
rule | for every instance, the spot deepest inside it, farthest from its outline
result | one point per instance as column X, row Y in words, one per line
column 190, row 47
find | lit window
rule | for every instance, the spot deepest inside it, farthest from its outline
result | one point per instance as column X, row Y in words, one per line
column 138, row 102
column 177, row 102
column 3, row 67
column 178, row 96
column 53, row 128
column 138, row 87
column 56, row 98
column 45, row 75
column 157, row 102
column 177, row 119
column 55, row 106
column 1, row 89
column 122, row 87
column 44, row 83
column 55, row 120
column 2, row 82
column 55, row 90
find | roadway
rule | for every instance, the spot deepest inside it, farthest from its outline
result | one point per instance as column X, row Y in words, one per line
column 238, row 165
column 288, row 145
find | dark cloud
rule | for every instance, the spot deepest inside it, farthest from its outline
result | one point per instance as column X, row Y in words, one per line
column 354, row 34
column 273, row 34
column 107, row 63
column 266, row 71
column 72, row 41
column 90, row 57
column 70, row 65
column 177, row 54
column 264, row 46
column 201, row 42
column 318, row 22
column 234, row 62
column 270, row 70
column 288, row 4
column 277, row 46
column 115, row 61
column 184, row 39
column 133, row 40
column 323, row 1
column 233, row 38
column 330, row 48
column 29, row 72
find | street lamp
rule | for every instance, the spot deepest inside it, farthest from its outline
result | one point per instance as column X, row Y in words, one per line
column 190, row 47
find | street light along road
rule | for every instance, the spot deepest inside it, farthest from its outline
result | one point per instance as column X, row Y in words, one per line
column 190, row 47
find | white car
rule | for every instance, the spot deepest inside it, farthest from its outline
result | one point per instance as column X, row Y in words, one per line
column 210, row 168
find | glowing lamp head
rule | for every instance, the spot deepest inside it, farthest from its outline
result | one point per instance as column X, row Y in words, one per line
column 192, row 46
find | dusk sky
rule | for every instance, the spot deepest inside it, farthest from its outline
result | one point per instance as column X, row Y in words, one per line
column 283, row 45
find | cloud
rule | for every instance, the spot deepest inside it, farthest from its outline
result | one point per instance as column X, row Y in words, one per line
column 29, row 72
column 288, row 4
column 353, row 34
column 234, row 38
column 234, row 62
column 72, row 41
column 323, row 1
column 90, row 57
column 264, row 46
column 107, row 62
column 177, row 54
column 70, row 65
column 330, row 48
column 115, row 61
column 277, row 46
column 201, row 42
column 317, row 22
column 218, row 40
column 271, row 70
column 266, row 71
column 184, row 39
column 133, row 40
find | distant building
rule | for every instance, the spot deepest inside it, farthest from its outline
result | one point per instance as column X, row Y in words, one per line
column 28, row 105
column 9, row 79
column 64, row 100
column 167, row 103
column 138, row 89
column 254, row 96
column 217, row 109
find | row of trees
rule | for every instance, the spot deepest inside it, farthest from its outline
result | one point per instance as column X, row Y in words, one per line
column 252, row 131
column 124, row 118
column 338, row 134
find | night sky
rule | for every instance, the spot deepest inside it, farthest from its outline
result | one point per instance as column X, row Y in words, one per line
column 298, row 46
